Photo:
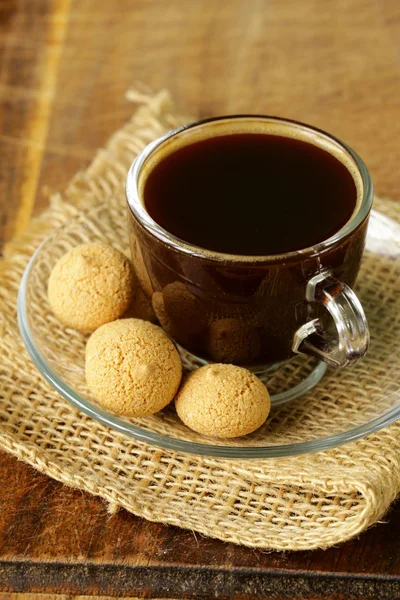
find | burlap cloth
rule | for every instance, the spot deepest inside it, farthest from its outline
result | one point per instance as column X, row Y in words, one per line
column 304, row 502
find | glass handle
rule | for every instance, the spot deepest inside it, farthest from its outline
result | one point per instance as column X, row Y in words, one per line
column 350, row 340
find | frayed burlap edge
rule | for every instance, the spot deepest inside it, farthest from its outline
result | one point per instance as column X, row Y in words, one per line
column 298, row 503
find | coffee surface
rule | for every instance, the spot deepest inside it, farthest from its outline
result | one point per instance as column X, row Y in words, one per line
column 251, row 194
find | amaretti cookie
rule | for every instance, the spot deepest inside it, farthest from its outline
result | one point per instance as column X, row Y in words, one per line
column 132, row 367
column 91, row 285
column 223, row 401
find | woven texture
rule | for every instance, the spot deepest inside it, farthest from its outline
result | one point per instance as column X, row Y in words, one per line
column 287, row 504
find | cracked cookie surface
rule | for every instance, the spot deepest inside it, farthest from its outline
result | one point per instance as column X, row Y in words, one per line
column 132, row 367
column 223, row 401
column 90, row 285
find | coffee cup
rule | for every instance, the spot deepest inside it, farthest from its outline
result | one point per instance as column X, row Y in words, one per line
column 232, row 298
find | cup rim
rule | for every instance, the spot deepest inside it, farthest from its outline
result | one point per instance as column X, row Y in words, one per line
column 138, row 210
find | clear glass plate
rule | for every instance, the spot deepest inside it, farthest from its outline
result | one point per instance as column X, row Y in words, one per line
column 335, row 407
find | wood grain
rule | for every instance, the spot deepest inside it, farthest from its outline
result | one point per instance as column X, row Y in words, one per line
column 65, row 67
column 16, row 596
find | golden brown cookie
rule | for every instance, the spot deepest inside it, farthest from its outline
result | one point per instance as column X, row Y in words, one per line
column 233, row 341
column 91, row 285
column 141, row 307
column 158, row 304
column 184, row 309
column 223, row 401
column 132, row 367
column 178, row 331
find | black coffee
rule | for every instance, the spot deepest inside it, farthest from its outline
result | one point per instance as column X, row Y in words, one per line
column 251, row 194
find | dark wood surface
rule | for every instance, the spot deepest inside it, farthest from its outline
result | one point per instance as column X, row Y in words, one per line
column 65, row 66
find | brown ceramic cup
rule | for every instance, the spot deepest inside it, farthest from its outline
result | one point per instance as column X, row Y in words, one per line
column 253, row 310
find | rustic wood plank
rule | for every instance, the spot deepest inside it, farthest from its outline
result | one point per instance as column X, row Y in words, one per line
column 16, row 596
column 38, row 124
column 65, row 67
column 195, row 584
column 52, row 536
column 334, row 65
column 31, row 48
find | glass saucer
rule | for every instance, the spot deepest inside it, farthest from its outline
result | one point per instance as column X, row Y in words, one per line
column 322, row 413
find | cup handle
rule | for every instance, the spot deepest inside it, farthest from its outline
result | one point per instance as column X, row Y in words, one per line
column 351, row 340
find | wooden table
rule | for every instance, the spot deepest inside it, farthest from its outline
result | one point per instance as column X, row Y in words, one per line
column 64, row 70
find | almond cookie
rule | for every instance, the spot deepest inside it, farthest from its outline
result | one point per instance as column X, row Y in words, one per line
column 141, row 307
column 132, row 367
column 158, row 305
column 233, row 341
column 182, row 336
column 184, row 309
column 91, row 285
column 223, row 401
